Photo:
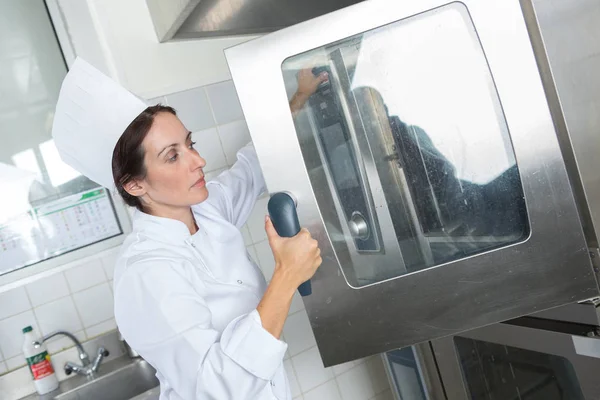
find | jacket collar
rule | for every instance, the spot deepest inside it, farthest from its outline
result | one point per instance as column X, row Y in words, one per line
column 161, row 229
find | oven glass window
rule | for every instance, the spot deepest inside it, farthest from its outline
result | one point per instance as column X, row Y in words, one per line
column 497, row 372
column 406, row 145
column 406, row 376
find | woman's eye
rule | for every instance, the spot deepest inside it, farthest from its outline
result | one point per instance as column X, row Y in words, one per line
column 174, row 158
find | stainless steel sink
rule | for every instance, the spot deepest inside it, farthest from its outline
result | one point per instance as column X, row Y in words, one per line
column 120, row 379
column 122, row 383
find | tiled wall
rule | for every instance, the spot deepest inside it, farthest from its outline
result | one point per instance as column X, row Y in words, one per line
column 80, row 299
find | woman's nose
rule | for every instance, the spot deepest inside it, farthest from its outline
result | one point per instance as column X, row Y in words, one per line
column 198, row 161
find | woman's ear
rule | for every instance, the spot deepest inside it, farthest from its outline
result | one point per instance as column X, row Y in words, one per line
column 135, row 188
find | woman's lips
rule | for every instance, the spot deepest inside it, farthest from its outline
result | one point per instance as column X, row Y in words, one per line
column 199, row 183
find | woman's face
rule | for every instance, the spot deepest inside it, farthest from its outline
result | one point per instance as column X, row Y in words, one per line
column 174, row 176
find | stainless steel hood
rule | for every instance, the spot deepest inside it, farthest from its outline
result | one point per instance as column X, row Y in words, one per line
column 239, row 17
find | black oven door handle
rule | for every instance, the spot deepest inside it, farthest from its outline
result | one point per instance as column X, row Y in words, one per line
column 282, row 210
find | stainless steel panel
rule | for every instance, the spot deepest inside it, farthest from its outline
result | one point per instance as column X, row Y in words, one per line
column 545, row 271
column 550, row 342
column 570, row 35
column 239, row 17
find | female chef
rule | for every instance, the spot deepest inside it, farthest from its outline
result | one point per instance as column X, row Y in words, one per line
column 187, row 296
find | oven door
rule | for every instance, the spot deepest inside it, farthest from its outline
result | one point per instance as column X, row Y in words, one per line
column 539, row 359
column 427, row 167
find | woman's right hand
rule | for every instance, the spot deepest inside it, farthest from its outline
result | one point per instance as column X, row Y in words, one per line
column 296, row 258
column 308, row 84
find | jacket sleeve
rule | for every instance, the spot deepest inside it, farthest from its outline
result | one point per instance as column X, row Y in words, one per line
column 235, row 191
column 175, row 334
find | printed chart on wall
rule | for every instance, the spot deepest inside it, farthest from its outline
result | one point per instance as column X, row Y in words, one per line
column 57, row 227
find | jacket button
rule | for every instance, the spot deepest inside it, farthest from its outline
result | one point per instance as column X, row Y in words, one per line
column 240, row 282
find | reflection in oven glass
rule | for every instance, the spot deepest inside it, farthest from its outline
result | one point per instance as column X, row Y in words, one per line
column 498, row 372
column 407, row 147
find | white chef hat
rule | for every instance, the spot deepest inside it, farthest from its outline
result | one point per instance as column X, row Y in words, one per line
column 91, row 114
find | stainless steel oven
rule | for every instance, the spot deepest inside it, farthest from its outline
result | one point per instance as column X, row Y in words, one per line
column 552, row 355
column 437, row 166
column 527, row 358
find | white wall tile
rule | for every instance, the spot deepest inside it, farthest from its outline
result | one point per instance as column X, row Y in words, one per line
column 234, row 136
column 213, row 174
column 356, row 384
column 265, row 259
column 327, row 391
column 192, row 109
column 86, row 275
column 291, row 375
column 47, row 289
column 387, row 395
column 377, row 373
column 3, row 367
column 298, row 333
column 209, row 147
column 224, row 101
column 156, row 100
column 341, row 368
column 11, row 333
column 95, row 305
column 298, row 398
column 13, row 302
column 309, row 370
column 246, row 235
column 101, row 328
column 256, row 220
column 61, row 342
column 109, row 261
column 58, row 315
column 16, row 362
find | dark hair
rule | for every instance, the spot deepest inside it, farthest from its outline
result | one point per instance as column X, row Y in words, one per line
column 128, row 155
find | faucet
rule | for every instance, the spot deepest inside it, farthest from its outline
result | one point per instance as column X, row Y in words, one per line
column 87, row 367
column 128, row 349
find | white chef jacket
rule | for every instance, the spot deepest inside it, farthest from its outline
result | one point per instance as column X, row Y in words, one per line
column 187, row 303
